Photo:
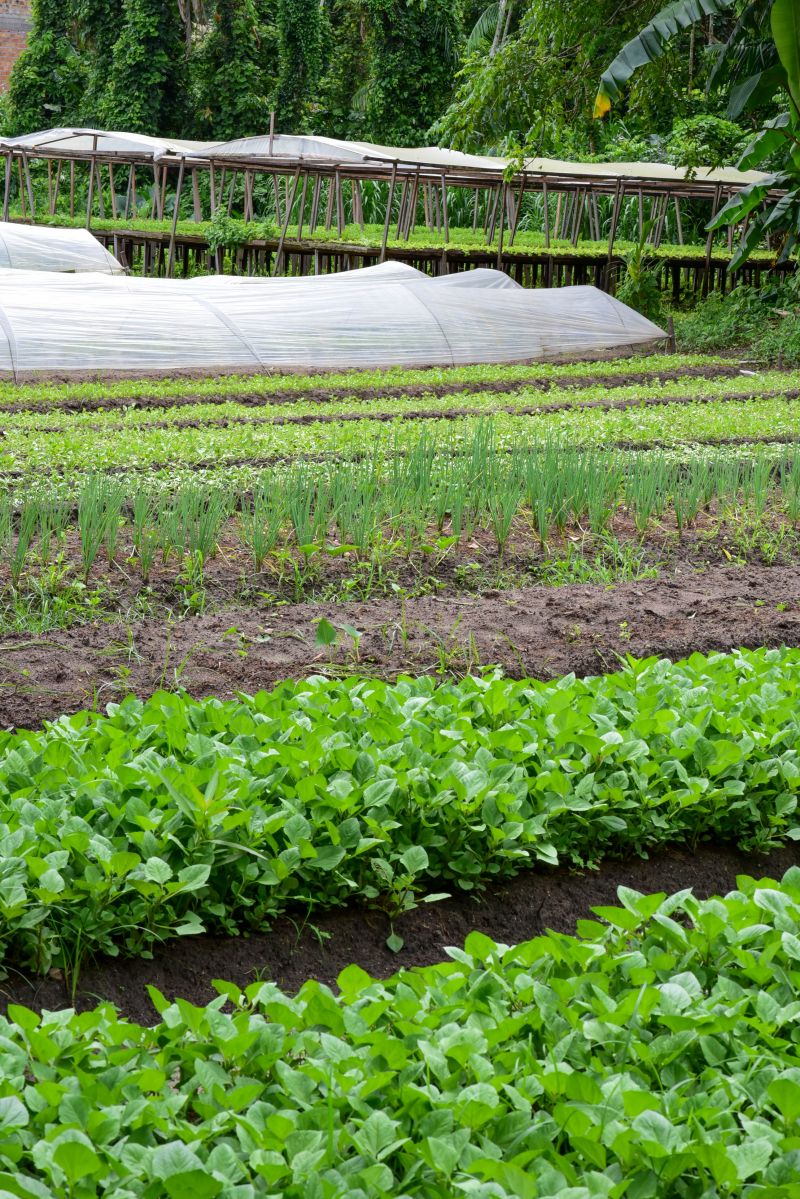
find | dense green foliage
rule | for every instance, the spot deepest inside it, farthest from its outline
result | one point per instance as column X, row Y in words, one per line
column 234, row 69
column 147, row 72
column 653, row 1054
column 519, row 73
column 163, row 817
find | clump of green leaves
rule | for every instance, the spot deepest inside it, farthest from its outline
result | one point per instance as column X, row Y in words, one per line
column 654, row 1054
column 161, row 818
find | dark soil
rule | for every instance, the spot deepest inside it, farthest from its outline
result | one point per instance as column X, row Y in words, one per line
column 292, row 951
column 537, row 631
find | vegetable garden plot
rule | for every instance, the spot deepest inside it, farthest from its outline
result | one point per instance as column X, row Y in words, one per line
column 381, row 316
column 618, row 1061
column 161, row 819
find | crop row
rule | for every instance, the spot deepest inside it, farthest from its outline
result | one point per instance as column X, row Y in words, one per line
column 69, row 452
column 52, row 394
column 653, row 1054
column 294, row 406
column 387, row 509
column 421, row 237
column 165, row 817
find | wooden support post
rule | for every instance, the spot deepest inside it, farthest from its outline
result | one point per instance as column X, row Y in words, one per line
column 101, row 204
column 340, row 222
column 710, row 242
column 212, row 186
column 512, row 232
column 197, row 203
column 641, row 214
column 232, row 192
column 175, row 216
column 7, row 189
column 289, row 204
column 249, row 182
column 616, row 209
column 57, row 188
column 315, row 199
column 72, row 188
column 580, row 209
column 358, row 207
column 475, row 200
column 29, row 185
column 388, row 218
column 411, row 219
column 678, row 220
column 112, row 191
column 162, row 194
column 302, row 210
column 50, row 186
column 401, row 209
column 154, row 205
column 90, row 199
column 557, row 231
column 502, row 228
column 445, row 216
column 329, row 205
column 134, row 197
column 546, row 202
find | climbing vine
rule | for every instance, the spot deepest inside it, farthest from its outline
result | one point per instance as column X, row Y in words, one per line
column 147, row 85
column 299, row 52
column 234, row 72
column 48, row 81
column 414, row 47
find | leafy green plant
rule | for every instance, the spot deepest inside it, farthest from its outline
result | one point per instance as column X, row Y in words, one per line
column 310, row 793
column 652, row 1054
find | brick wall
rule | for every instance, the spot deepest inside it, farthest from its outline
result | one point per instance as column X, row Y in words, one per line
column 15, row 19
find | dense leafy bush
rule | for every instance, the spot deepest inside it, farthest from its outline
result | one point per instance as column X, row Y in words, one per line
column 654, row 1055
column 766, row 321
column 162, row 817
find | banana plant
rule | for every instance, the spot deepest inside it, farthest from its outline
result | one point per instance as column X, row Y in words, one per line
column 778, row 61
column 779, row 138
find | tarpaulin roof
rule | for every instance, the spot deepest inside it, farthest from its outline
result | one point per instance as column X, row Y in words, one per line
column 333, row 152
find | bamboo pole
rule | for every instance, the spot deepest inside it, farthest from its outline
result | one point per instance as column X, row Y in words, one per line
column 289, row 204
column 546, row 202
column 29, row 185
column 315, row 200
column 388, row 218
column 302, row 210
column 175, row 215
column 90, row 200
column 112, row 191
column 7, row 189
column 444, row 208
column 197, row 203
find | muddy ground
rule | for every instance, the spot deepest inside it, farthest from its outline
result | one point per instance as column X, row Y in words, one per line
column 293, row 951
column 538, row 631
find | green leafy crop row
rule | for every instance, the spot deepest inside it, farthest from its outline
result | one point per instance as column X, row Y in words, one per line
column 421, row 238
column 70, row 452
column 162, row 817
column 655, row 1055
column 51, row 394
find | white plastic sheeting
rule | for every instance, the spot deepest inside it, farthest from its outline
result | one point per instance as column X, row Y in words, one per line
column 139, row 147
column 380, row 316
column 47, row 248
